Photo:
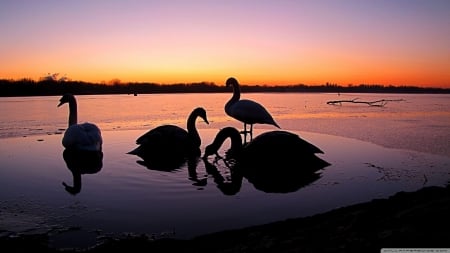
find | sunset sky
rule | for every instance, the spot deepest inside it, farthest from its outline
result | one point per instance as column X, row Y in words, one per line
column 389, row 42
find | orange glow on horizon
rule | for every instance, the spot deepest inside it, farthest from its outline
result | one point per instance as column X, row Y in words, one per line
column 259, row 43
column 245, row 79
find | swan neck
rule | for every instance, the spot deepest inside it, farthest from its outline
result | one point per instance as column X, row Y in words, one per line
column 76, row 188
column 233, row 134
column 73, row 117
column 236, row 95
column 77, row 181
column 236, row 141
column 192, row 130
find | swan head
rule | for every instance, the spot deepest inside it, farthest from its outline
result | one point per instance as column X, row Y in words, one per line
column 65, row 99
column 211, row 149
column 201, row 112
column 222, row 135
column 232, row 82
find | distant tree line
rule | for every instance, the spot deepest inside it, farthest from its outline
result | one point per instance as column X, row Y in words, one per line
column 50, row 87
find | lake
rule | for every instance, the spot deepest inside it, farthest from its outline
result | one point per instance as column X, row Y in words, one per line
column 373, row 151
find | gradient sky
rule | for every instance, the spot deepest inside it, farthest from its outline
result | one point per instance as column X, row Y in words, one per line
column 389, row 42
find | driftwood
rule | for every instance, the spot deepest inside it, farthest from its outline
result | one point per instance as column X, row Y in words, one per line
column 379, row 103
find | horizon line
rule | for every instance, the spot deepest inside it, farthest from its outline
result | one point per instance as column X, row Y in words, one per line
column 117, row 81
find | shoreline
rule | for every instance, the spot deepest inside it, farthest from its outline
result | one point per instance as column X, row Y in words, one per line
column 404, row 220
column 51, row 87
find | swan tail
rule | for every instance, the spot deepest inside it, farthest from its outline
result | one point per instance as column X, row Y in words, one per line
column 322, row 163
column 135, row 151
column 272, row 121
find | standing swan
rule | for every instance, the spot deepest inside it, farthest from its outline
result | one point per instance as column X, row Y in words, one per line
column 83, row 136
column 247, row 111
column 170, row 141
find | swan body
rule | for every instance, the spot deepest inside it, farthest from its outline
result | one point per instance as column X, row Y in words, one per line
column 170, row 141
column 247, row 111
column 279, row 149
column 80, row 136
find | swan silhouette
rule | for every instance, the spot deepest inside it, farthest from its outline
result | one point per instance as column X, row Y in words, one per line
column 280, row 149
column 169, row 144
column 269, row 181
column 83, row 136
column 229, row 185
column 81, row 162
column 247, row 111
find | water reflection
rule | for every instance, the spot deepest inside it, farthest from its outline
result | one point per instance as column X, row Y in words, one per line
column 161, row 162
column 229, row 185
column 81, row 162
column 174, row 164
column 263, row 178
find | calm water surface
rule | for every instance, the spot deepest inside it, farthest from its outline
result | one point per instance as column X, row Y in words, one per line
column 127, row 197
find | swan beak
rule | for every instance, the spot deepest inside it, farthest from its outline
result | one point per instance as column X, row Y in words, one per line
column 60, row 103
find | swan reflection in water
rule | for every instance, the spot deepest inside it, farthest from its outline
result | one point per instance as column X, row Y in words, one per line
column 168, row 163
column 265, row 179
column 175, row 164
column 275, row 161
column 81, row 162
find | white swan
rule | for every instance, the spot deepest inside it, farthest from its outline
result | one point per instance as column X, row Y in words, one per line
column 247, row 111
column 83, row 136
column 170, row 141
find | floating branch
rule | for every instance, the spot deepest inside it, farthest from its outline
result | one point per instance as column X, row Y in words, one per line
column 379, row 103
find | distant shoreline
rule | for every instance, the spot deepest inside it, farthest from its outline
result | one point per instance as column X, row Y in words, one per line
column 26, row 87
